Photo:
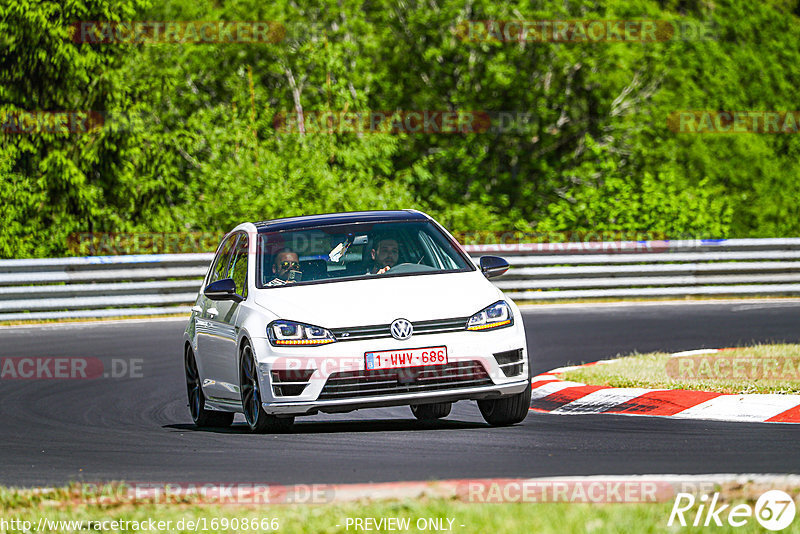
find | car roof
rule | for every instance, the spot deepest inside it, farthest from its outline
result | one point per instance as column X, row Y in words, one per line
column 305, row 221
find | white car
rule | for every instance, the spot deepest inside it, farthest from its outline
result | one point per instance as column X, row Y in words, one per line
column 334, row 313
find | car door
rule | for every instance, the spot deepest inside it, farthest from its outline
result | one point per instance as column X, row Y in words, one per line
column 216, row 339
column 223, row 356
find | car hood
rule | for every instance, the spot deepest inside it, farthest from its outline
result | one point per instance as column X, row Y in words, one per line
column 381, row 300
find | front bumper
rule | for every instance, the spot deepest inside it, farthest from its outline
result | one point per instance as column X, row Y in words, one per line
column 347, row 405
column 343, row 358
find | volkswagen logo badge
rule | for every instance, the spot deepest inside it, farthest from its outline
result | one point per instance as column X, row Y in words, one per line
column 401, row 329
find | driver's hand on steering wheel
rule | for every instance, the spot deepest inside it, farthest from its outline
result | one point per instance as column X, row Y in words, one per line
column 383, row 270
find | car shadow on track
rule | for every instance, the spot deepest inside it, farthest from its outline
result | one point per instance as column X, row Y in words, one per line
column 332, row 427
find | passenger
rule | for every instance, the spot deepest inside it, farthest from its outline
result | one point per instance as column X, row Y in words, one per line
column 286, row 268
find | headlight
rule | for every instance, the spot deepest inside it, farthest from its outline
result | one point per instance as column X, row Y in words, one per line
column 498, row 315
column 292, row 333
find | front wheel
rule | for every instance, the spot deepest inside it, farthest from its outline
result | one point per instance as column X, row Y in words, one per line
column 257, row 419
column 431, row 412
column 197, row 401
column 506, row 410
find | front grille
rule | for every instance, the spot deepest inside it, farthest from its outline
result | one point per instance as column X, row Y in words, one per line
column 510, row 361
column 407, row 380
column 437, row 326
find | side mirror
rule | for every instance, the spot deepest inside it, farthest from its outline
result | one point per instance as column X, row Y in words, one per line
column 493, row 266
column 224, row 289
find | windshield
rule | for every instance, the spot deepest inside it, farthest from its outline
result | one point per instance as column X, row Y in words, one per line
column 353, row 251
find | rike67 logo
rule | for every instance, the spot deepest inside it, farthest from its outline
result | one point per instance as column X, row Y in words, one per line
column 774, row 510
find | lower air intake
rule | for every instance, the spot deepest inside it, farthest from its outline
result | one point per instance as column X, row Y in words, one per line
column 510, row 362
column 453, row 375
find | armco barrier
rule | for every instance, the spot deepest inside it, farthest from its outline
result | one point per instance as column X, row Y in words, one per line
column 100, row 286
column 105, row 286
column 633, row 269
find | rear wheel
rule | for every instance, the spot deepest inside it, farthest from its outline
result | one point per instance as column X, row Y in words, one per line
column 506, row 410
column 431, row 412
column 197, row 401
column 257, row 419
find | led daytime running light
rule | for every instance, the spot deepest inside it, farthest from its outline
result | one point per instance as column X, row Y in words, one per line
column 291, row 333
column 490, row 325
column 302, row 341
column 497, row 315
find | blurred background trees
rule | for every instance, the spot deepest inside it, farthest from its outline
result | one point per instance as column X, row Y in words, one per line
column 189, row 140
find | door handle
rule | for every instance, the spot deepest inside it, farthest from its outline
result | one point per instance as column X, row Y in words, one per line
column 212, row 312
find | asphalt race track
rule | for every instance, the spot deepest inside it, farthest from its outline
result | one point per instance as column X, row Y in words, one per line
column 139, row 429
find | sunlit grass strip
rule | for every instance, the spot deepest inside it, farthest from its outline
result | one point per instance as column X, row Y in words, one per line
column 544, row 518
column 758, row 369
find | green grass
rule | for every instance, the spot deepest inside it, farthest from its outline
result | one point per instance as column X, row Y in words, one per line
column 66, row 504
column 758, row 369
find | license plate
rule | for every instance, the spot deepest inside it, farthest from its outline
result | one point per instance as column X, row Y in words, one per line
column 395, row 359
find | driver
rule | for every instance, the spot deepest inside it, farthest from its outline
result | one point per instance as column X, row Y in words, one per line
column 285, row 267
column 385, row 253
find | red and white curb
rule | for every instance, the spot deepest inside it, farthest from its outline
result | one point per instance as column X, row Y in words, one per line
column 551, row 394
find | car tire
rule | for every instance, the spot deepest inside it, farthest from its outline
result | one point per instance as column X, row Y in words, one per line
column 197, row 401
column 506, row 410
column 431, row 412
column 257, row 419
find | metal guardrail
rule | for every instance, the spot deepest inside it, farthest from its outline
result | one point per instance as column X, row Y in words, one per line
column 710, row 267
column 107, row 286
column 100, row 286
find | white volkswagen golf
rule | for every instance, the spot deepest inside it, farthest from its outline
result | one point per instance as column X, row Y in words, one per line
column 334, row 313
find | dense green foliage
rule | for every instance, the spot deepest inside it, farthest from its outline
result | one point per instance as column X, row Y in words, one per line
column 189, row 141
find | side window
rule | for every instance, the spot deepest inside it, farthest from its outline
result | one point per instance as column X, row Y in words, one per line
column 439, row 254
column 220, row 268
column 238, row 267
